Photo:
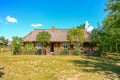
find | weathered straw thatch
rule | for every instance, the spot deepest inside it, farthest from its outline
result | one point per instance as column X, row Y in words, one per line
column 58, row 35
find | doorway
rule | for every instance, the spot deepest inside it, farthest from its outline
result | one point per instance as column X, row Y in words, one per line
column 51, row 47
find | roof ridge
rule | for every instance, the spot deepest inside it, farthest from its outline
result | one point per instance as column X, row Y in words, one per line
column 28, row 34
column 50, row 29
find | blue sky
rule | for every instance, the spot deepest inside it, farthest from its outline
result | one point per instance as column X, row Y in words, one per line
column 19, row 17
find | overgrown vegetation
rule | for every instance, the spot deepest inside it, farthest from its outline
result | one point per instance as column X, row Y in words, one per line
column 44, row 39
column 76, row 35
column 39, row 51
column 107, row 38
column 44, row 67
column 66, row 51
column 28, row 49
column 4, row 41
column 16, row 45
column 3, row 44
column 77, row 51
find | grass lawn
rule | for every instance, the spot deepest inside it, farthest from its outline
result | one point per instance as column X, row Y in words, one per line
column 40, row 67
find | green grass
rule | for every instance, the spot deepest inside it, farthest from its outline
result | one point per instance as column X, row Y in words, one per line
column 40, row 67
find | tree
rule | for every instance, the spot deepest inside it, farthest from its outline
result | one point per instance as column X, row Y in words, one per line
column 44, row 39
column 107, row 37
column 76, row 35
column 111, row 24
column 100, row 39
column 4, row 41
column 82, row 26
column 16, row 45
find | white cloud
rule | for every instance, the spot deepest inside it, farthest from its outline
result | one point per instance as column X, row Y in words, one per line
column 86, row 24
column 88, row 28
column 36, row 25
column 11, row 19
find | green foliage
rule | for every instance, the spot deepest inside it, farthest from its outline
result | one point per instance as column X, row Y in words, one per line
column 64, row 51
column 107, row 37
column 100, row 37
column 43, row 38
column 82, row 26
column 76, row 52
column 29, row 46
column 4, row 41
column 98, row 53
column 28, row 49
column 39, row 51
column 114, row 13
column 16, row 45
column 27, row 52
column 111, row 24
column 76, row 35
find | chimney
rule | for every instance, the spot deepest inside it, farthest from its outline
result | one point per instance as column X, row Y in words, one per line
column 53, row 29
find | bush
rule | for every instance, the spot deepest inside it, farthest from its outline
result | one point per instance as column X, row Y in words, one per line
column 29, row 46
column 98, row 53
column 28, row 52
column 64, row 51
column 39, row 51
column 76, row 52
column 17, row 45
column 28, row 49
column 16, row 50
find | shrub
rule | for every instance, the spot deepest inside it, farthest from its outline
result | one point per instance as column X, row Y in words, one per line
column 28, row 49
column 76, row 52
column 29, row 46
column 64, row 51
column 17, row 45
column 28, row 52
column 16, row 50
column 98, row 54
column 39, row 51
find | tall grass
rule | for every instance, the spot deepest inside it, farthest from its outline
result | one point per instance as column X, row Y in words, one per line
column 47, row 67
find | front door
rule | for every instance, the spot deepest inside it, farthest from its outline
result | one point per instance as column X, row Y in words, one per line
column 51, row 47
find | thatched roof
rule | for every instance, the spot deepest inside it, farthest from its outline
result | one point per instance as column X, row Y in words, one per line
column 9, row 43
column 1, row 42
column 58, row 35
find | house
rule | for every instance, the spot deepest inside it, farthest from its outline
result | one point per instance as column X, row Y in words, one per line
column 9, row 45
column 1, row 42
column 58, row 39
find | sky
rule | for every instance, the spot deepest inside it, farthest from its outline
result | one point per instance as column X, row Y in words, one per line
column 20, row 17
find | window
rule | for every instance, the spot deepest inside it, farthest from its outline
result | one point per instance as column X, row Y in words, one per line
column 65, row 45
column 38, row 46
